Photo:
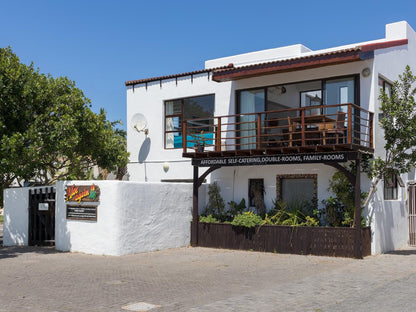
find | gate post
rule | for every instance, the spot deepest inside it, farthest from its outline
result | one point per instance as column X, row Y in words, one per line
column 195, row 221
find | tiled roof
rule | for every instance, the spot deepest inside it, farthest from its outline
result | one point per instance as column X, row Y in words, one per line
column 229, row 72
column 196, row 72
column 357, row 53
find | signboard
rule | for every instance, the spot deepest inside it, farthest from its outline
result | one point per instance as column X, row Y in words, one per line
column 282, row 159
column 75, row 212
column 82, row 193
column 43, row 206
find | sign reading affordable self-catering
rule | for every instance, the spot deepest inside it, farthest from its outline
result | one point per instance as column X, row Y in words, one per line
column 271, row 159
column 82, row 193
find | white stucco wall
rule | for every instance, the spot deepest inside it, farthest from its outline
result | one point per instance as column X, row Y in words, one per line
column 131, row 217
column 16, row 216
column 389, row 218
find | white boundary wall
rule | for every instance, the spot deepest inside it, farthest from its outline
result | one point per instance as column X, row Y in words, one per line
column 16, row 216
column 131, row 217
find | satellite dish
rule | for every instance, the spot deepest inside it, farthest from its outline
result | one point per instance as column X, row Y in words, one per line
column 139, row 122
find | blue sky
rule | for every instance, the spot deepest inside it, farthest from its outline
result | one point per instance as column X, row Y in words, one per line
column 102, row 44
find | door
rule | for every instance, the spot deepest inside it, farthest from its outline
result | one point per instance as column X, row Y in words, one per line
column 412, row 214
column 42, row 216
column 251, row 101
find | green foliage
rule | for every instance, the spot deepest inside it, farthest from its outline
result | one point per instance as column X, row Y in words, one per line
column 208, row 219
column 216, row 206
column 339, row 210
column 47, row 129
column 248, row 219
column 235, row 209
column 293, row 214
column 303, row 206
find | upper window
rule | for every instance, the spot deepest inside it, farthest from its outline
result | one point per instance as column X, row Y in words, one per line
column 176, row 111
column 385, row 86
column 390, row 187
column 311, row 98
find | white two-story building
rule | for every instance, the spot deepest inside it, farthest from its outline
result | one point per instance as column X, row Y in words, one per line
column 283, row 118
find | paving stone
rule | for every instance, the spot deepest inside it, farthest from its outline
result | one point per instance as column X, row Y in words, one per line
column 203, row 279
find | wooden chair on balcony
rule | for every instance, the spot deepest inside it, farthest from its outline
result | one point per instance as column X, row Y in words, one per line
column 338, row 131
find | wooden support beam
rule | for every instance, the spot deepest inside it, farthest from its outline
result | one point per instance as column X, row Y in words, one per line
column 196, row 184
column 195, row 221
column 358, row 252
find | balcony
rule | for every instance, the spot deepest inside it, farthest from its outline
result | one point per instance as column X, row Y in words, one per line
column 343, row 127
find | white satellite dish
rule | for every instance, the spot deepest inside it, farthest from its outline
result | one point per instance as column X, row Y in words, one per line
column 139, row 122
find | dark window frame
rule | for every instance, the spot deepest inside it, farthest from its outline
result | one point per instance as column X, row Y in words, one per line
column 323, row 80
column 181, row 116
column 250, row 195
column 391, row 189
column 280, row 177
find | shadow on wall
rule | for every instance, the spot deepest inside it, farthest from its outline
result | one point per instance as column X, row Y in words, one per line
column 144, row 150
column 387, row 215
column 16, row 231
column 62, row 234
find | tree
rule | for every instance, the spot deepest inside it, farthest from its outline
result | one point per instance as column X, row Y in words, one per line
column 47, row 129
column 399, row 125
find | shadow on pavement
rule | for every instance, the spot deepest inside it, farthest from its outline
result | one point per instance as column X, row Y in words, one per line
column 15, row 251
column 403, row 252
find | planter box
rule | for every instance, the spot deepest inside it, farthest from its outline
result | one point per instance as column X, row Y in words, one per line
column 322, row 241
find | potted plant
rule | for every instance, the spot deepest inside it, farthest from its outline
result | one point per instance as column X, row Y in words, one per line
column 199, row 142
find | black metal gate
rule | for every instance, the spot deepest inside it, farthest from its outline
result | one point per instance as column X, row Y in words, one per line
column 42, row 216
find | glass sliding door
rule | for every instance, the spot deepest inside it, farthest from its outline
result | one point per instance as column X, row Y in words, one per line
column 251, row 101
column 339, row 91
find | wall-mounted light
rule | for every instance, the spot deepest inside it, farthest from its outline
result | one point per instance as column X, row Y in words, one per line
column 280, row 90
column 165, row 166
column 366, row 72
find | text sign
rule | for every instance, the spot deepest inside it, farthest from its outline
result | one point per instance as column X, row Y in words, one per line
column 43, row 206
column 82, row 193
column 271, row 160
column 88, row 213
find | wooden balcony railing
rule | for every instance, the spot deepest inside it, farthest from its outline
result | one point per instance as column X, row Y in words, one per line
column 343, row 126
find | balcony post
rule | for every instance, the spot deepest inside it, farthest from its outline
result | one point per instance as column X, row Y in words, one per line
column 302, row 118
column 349, row 123
column 184, row 141
column 218, row 136
column 258, row 131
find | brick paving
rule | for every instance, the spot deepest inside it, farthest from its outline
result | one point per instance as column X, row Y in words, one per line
column 202, row 279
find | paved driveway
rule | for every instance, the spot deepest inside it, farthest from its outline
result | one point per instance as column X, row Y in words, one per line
column 202, row 279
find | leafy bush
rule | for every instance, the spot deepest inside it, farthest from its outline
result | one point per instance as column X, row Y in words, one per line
column 248, row 219
column 292, row 214
column 216, row 206
column 235, row 209
column 339, row 210
column 208, row 219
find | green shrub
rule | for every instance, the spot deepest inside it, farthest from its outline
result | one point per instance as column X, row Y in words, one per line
column 216, row 206
column 296, row 213
column 339, row 210
column 248, row 219
column 235, row 209
column 208, row 219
